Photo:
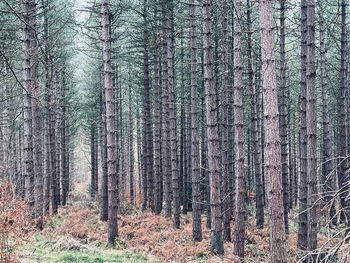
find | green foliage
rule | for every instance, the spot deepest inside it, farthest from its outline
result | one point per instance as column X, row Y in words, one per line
column 101, row 258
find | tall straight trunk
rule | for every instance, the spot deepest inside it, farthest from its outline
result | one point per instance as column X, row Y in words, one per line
column 204, row 162
column 272, row 138
column 27, row 70
column 302, row 230
column 328, row 178
column 147, row 114
column 311, row 127
column 6, row 128
column 216, row 242
column 131, row 145
column 172, row 112
column 93, row 160
column 196, row 214
column 239, row 231
column 37, row 150
column 157, row 135
column 183, row 158
column 166, row 165
column 290, row 156
column 255, row 131
column 139, row 147
column 295, row 163
column 103, row 143
column 57, row 130
column 231, row 129
column 188, row 164
column 342, row 144
column 96, row 158
column 110, row 123
column 65, row 180
column 283, row 115
column 225, row 129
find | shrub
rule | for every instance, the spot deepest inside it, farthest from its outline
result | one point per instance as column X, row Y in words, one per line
column 16, row 225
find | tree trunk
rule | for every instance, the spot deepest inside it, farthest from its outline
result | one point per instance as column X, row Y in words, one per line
column 239, row 231
column 272, row 138
column 27, row 71
column 216, row 243
column 302, row 231
column 110, row 123
column 157, row 135
column 172, row 112
column 328, row 177
column 103, row 143
column 342, row 150
column 283, row 115
column 225, row 129
column 196, row 214
column 255, row 130
column 311, row 129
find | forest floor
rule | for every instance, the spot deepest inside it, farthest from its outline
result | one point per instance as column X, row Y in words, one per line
column 76, row 234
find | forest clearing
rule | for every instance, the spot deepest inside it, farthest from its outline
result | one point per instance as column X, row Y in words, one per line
column 174, row 131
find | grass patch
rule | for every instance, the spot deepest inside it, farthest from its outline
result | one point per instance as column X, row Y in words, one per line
column 45, row 250
column 84, row 257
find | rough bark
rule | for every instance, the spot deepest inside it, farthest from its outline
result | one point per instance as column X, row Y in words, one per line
column 103, row 143
column 28, row 169
column 302, row 231
column 342, row 145
column 216, row 242
column 311, row 129
column 283, row 114
column 328, row 177
column 272, row 138
column 166, row 158
column 172, row 112
column 196, row 214
column 110, row 123
column 239, row 231
column 225, row 129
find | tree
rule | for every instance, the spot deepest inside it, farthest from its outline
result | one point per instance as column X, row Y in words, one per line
column 302, row 230
column 196, row 214
column 283, row 114
column 272, row 138
column 311, row 129
column 27, row 69
column 110, row 123
column 239, row 231
column 216, row 243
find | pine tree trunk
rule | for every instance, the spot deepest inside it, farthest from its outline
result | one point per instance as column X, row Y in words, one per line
column 216, row 242
column 103, row 143
column 283, row 115
column 239, row 231
column 183, row 158
column 172, row 112
column 328, row 178
column 110, row 123
column 27, row 70
column 311, row 127
column 272, row 138
column 131, row 145
column 196, row 214
column 342, row 151
column 147, row 115
column 225, row 129
column 166, row 165
column 157, row 135
column 302, row 231
column 65, row 181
